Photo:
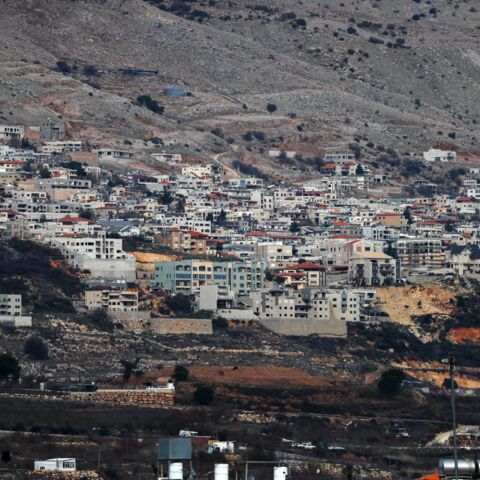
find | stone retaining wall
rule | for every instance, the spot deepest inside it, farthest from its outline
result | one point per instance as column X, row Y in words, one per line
column 305, row 327
column 51, row 475
column 182, row 326
column 148, row 398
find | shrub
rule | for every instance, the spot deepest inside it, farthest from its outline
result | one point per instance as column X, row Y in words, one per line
column 203, row 395
column 9, row 366
column 271, row 107
column 91, row 71
column 148, row 102
column 180, row 374
column 299, row 23
column 100, row 320
column 179, row 303
column 287, row 16
column 390, row 382
column 36, row 348
column 63, row 67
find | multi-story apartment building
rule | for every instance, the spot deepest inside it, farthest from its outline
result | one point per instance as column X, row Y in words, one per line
column 9, row 132
column 371, row 269
column 304, row 274
column 111, row 300
column 465, row 260
column 194, row 243
column 58, row 146
column 275, row 254
column 343, row 305
column 436, row 155
column 11, row 311
column 186, row 276
column 420, row 253
column 102, row 256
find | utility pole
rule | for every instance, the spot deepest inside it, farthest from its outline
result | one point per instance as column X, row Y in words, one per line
column 451, row 363
column 98, row 461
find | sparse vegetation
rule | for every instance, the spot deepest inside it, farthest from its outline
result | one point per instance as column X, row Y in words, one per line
column 148, row 102
column 36, row 348
column 180, row 374
column 204, row 395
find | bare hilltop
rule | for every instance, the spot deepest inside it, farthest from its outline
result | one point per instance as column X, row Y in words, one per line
column 306, row 74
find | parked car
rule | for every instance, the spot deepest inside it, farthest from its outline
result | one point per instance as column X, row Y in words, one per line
column 304, row 445
column 187, row 433
column 335, row 447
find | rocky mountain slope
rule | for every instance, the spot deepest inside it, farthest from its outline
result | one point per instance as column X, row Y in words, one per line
column 401, row 74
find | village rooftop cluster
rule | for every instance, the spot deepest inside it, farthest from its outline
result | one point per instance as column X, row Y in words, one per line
column 300, row 258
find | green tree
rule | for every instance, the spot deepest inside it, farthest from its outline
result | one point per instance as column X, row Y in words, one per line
column 408, row 215
column 148, row 102
column 390, row 382
column 180, row 304
column 166, row 198
column 180, row 374
column 91, row 71
column 180, row 205
column 447, row 384
column 222, row 218
column 204, row 395
column 36, row 348
column 9, row 367
column 63, row 67
column 88, row 214
column 45, row 173
column 271, row 107
column 129, row 368
column 294, row 227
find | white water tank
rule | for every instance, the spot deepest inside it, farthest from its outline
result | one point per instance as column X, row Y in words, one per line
column 175, row 471
column 221, row 471
column 280, row 473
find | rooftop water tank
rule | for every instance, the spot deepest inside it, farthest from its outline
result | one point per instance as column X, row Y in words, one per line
column 221, row 471
column 465, row 467
column 175, row 471
column 173, row 91
column 280, row 473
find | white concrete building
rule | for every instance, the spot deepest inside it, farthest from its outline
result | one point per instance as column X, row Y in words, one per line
column 111, row 300
column 11, row 311
column 275, row 254
column 437, row 155
column 8, row 132
column 61, row 146
column 56, row 464
column 103, row 257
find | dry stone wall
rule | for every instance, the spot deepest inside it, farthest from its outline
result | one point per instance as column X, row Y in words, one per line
column 148, row 398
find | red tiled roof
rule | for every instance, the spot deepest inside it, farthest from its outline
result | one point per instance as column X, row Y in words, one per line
column 344, row 236
column 304, row 266
column 194, row 234
column 69, row 219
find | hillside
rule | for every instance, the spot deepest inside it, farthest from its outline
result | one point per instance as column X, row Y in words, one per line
column 378, row 72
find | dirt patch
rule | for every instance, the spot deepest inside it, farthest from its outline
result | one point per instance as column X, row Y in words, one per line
column 260, row 377
column 415, row 370
column 402, row 303
column 144, row 257
column 464, row 335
